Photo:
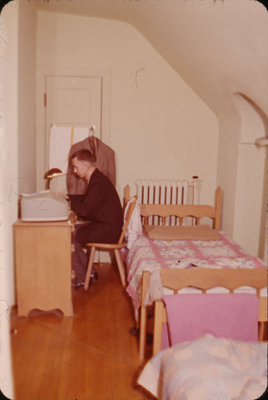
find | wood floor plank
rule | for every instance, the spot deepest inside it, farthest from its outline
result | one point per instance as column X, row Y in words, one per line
column 90, row 356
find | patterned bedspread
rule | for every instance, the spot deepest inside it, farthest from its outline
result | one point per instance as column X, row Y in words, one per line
column 151, row 255
column 208, row 368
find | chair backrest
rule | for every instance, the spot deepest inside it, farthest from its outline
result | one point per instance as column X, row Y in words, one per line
column 128, row 213
column 126, row 196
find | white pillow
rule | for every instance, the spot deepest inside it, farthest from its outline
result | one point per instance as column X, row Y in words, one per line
column 208, row 368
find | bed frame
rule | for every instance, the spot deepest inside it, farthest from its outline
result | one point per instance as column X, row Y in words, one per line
column 164, row 211
column 231, row 279
column 205, row 279
column 181, row 211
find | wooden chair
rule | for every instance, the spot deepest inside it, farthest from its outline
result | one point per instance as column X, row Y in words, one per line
column 115, row 247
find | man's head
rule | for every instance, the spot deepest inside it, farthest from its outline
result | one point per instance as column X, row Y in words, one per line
column 83, row 162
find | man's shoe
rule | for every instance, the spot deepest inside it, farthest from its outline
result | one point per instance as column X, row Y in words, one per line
column 78, row 284
column 94, row 276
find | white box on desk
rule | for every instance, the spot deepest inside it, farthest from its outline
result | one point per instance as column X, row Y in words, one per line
column 43, row 206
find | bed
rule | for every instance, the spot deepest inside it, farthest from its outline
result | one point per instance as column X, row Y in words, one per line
column 162, row 248
column 212, row 364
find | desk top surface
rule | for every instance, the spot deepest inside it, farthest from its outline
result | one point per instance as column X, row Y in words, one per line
column 66, row 223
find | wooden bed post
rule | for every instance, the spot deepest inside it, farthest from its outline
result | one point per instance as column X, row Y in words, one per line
column 160, row 317
column 217, row 221
column 143, row 315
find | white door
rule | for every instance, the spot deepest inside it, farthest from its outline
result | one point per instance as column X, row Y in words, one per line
column 72, row 101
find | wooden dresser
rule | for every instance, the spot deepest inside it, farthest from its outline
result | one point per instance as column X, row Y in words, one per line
column 43, row 266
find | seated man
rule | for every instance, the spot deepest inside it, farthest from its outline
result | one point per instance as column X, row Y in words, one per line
column 99, row 211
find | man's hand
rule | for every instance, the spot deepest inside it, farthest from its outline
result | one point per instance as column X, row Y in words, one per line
column 62, row 195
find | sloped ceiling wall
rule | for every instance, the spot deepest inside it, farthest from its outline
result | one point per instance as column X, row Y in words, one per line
column 218, row 47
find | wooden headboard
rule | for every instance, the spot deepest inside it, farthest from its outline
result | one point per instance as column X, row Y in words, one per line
column 181, row 211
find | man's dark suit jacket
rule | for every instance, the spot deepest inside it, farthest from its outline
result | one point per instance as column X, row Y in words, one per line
column 100, row 206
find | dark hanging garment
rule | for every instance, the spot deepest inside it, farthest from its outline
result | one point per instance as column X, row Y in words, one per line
column 105, row 162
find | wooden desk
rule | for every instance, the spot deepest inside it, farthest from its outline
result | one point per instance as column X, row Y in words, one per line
column 43, row 266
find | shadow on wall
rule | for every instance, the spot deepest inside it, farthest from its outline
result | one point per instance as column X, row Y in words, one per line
column 259, row 111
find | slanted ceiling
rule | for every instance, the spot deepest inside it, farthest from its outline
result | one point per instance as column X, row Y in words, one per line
column 219, row 47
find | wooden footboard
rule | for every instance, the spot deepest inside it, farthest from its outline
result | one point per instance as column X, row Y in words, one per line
column 205, row 279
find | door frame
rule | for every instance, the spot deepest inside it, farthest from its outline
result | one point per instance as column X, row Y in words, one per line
column 41, row 74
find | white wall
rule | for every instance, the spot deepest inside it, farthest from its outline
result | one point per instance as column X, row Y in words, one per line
column 26, row 97
column 249, row 230
column 227, row 164
column 17, row 148
column 157, row 125
column 9, row 138
column 241, row 174
column 8, row 181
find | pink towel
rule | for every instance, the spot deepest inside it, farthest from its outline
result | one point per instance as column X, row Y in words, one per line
column 232, row 316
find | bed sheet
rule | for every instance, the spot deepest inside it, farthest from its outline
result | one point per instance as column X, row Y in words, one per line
column 208, row 368
column 151, row 255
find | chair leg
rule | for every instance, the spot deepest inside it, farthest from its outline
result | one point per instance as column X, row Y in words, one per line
column 89, row 267
column 120, row 266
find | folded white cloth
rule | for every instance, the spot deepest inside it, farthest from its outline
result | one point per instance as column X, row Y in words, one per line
column 135, row 226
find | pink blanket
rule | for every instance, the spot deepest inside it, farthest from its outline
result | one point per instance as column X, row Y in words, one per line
column 193, row 315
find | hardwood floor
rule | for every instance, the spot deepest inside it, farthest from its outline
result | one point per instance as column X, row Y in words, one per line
column 91, row 356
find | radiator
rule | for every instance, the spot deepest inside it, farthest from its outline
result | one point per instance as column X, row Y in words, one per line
column 168, row 191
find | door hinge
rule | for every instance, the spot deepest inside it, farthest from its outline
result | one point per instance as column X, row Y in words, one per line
column 45, row 99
